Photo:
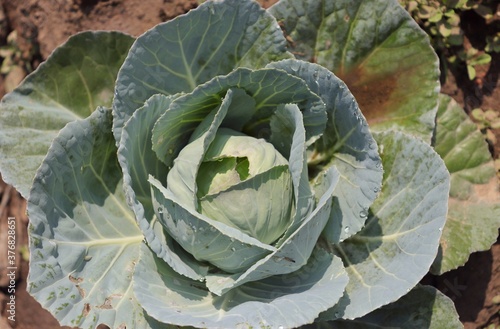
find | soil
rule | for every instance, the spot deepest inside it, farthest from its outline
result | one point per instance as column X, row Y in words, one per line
column 42, row 25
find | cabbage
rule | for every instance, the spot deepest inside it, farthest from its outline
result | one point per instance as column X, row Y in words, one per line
column 222, row 181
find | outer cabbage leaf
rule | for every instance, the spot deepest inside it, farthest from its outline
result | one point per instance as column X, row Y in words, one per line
column 138, row 162
column 400, row 240
column 79, row 76
column 422, row 307
column 474, row 204
column 180, row 55
column 84, row 241
column 377, row 49
column 279, row 301
column 346, row 144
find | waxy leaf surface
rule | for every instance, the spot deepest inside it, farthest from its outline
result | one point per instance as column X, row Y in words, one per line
column 78, row 76
column 84, row 240
column 474, row 204
column 377, row 49
column 400, row 240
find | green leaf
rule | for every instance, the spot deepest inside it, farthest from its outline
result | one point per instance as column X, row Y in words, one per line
column 266, row 211
column 377, row 49
column 471, row 71
column 181, row 180
column 296, row 245
column 293, row 250
column 177, row 205
column 206, row 239
column 84, row 240
column 138, row 161
column 268, row 88
column 283, row 300
column 191, row 49
column 400, row 240
column 346, row 144
column 474, row 205
column 422, row 307
column 79, row 76
column 288, row 137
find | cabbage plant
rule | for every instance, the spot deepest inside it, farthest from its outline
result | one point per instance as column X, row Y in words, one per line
column 210, row 174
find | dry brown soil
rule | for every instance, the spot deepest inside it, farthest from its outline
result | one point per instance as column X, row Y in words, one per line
column 42, row 25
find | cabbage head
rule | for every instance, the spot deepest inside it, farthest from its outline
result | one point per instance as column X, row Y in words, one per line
column 221, row 183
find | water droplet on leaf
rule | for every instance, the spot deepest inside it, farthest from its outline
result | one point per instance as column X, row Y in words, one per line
column 295, row 66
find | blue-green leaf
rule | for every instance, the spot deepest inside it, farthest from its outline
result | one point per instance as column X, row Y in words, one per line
column 422, row 307
column 289, row 137
column 78, row 76
column 138, row 161
column 279, row 301
column 400, row 240
column 377, row 48
column 268, row 88
column 346, row 144
column 191, row 49
column 84, row 240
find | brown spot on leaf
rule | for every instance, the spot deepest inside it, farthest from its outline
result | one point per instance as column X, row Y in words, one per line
column 107, row 302
column 371, row 92
column 86, row 309
column 106, row 305
column 77, row 282
column 75, row 279
column 80, row 290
